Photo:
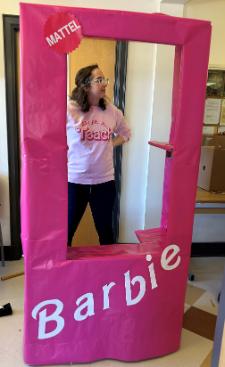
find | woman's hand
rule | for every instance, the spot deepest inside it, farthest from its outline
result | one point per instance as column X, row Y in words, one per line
column 118, row 140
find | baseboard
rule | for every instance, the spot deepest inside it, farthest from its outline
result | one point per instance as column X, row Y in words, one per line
column 12, row 253
column 207, row 249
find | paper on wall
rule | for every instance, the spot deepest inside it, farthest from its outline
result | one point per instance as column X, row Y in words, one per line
column 222, row 115
column 212, row 111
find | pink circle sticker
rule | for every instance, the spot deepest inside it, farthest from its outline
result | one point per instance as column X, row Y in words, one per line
column 62, row 32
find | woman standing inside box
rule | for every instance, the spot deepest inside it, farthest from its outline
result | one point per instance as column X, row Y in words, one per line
column 91, row 122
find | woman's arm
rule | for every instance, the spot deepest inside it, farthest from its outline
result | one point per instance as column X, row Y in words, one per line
column 73, row 110
column 122, row 129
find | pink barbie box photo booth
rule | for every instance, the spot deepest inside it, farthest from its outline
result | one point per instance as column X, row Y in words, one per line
column 122, row 302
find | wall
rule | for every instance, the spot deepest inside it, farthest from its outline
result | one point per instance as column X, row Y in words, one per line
column 147, row 203
column 161, row 122
column 143, row 167
column 210, row 227
column 149, row 211
column 139, row 95
column 214, row 11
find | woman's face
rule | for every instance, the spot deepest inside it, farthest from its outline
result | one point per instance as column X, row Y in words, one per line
column 98, row 84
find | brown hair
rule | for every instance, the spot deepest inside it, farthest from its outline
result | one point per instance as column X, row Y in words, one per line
column 79, row 93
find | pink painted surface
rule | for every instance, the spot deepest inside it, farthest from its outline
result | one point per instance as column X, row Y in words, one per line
column 141, row 315
column 162, row 145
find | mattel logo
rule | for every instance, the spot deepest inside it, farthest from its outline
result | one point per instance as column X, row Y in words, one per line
column 62, row 32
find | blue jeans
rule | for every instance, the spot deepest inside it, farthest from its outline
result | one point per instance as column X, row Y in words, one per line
column 101, row 198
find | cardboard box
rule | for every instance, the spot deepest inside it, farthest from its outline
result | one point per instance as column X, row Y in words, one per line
column 214, row 140
column 212, row 167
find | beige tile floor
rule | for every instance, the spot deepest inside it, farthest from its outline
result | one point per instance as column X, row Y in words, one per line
column 195, row 351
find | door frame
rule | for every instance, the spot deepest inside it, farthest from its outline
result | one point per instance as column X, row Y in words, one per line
column 10, row 29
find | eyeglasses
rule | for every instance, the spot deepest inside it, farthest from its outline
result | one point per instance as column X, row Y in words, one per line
column 100, row 80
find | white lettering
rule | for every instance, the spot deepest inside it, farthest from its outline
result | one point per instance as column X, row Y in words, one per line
column 65, row 27
column 89, row 304
column 152, row 272
column 57, row 37
column 60, row 33
column 142, row 289
column 44, row 319
column 106, row 288
column 135, row 290
column 166, row 259
column 73, row 26
column 51, row 40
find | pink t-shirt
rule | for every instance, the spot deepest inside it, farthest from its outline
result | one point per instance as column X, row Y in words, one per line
column 90, row 149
